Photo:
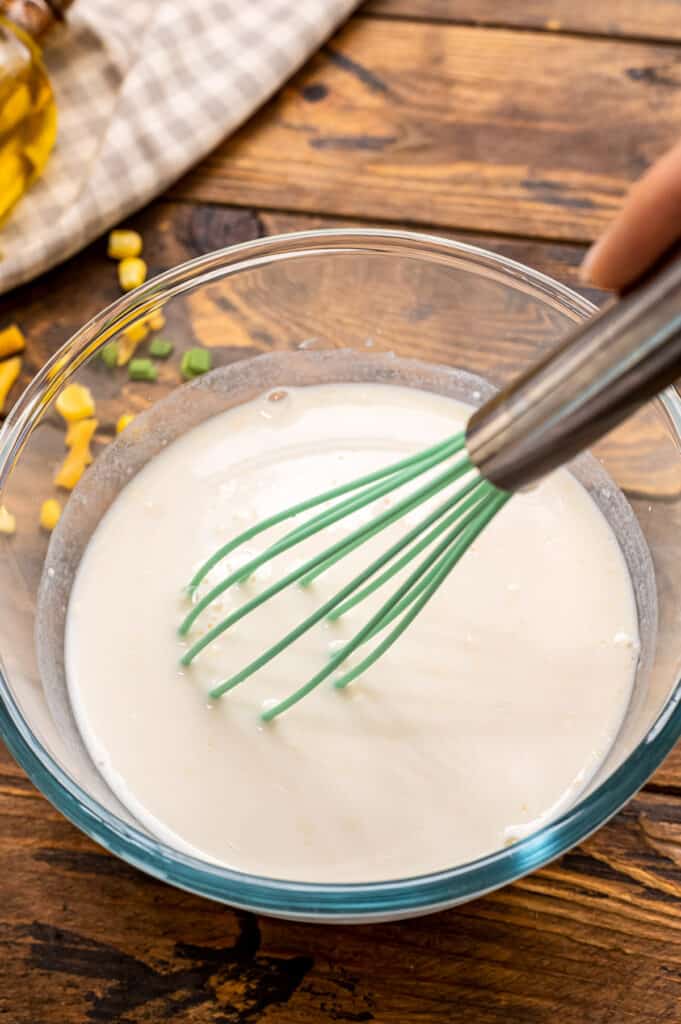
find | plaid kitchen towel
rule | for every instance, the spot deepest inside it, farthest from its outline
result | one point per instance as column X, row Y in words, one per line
column 144, row 90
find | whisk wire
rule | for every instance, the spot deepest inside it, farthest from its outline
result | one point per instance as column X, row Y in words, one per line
column 286, row 581
column 423, row 543
column 401, row 509
column 489, row 508
column 328, row 606
column 460, row 518
column 478, row 508
column 360, row 535
column 479, row 519
column 438, row 452
column 346, row 508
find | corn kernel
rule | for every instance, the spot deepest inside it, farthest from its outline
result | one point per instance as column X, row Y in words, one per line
column 50, row 514
column 71, row 470
column 136, row 332
column 156, row 320
column 123, row 244
column 131, row 339
column 8, row 523
column 11, row 341
column 78, row 438
column 124, row 421
column 17, row 106
column 75, row 403
column 80, row 434
column 9, row 373
column 132, row 272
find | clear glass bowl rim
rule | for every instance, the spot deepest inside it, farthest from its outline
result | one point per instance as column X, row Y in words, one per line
column 311, row 901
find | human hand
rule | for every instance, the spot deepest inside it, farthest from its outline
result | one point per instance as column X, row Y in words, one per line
column 646, row 226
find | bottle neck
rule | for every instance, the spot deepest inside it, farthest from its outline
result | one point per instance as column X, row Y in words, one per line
column 34, row 16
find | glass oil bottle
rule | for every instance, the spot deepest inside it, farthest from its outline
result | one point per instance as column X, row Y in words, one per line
column 28, row 112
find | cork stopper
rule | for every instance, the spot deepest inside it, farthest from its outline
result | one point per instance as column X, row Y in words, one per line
column 35, row 16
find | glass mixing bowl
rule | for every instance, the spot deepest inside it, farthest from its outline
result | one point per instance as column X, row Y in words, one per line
column 375, row 295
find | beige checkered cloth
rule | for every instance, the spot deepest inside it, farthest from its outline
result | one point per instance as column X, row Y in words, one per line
column 145, row 88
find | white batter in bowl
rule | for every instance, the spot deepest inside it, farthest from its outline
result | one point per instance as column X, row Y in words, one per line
column 485, row 721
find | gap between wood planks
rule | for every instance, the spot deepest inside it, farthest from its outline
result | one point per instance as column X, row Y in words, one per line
column 506, row 26
column 653, row 21
column 389, row 223
column 500, row 132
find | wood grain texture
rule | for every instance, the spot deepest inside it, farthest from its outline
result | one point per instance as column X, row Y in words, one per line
column 668, row 775
column 50, row 309
column 485, row 134
column 594, row 937
column 652, row 19
column 86, row 940
column 560, row 260
column 485, row 130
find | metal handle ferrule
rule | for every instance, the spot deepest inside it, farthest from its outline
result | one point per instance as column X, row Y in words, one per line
column 605, row 369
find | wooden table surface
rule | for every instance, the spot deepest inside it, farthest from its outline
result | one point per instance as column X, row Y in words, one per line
column 517, row 126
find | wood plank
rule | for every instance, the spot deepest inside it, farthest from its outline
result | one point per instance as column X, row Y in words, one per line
column 54, row 307
column 50, row 309
column 594, row 937
column 486, row 130
column 560, row 260
column 668, row 775
column 654, row 19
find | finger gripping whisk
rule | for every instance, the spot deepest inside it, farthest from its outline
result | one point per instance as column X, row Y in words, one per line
column 599, row 375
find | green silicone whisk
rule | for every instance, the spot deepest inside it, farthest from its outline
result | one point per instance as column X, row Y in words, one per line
column 603, row 371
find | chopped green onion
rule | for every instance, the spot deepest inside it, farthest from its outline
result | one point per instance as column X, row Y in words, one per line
column 110, row 354
column 195, row 362
column 161, row 348
column 142, row 369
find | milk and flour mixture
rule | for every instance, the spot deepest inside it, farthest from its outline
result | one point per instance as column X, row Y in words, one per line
column 485, row 720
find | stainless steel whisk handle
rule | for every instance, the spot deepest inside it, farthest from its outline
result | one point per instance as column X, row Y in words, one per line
column 604, row 370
